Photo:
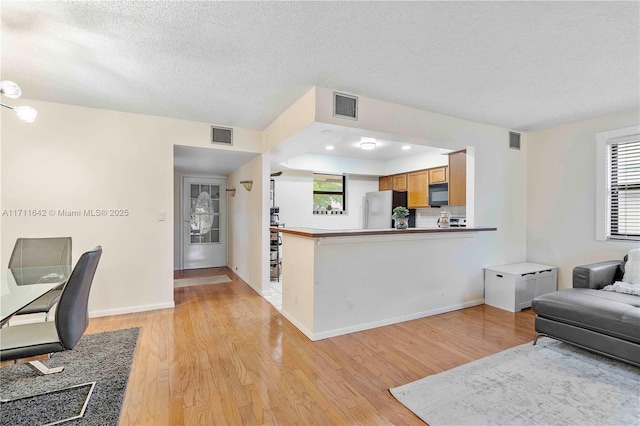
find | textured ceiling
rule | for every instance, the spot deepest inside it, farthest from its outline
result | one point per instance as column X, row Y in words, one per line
column 519, row 65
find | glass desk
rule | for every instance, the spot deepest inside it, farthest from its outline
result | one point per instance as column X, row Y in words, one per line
column 21, row 286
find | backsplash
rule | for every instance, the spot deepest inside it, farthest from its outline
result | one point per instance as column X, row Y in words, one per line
column 428, row 218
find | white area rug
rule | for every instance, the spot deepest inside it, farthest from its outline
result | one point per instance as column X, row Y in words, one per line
column 188, row 282
column 552, row 383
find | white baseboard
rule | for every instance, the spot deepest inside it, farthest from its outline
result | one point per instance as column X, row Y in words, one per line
column 250, row 284
column 298, row 325
column 131, row 309
column 382, row 323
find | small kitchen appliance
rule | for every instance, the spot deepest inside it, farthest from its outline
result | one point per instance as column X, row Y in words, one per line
column 444, row 220
column 458, row 221
column 438, row 194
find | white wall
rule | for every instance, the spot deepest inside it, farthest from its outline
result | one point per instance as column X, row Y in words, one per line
column 294, row 196
column 561, row 194
column 294, row 119
column 83, row 158
column 338, row 285
column 496, row 184
column 334, row 164
column 425, row 160
column 77, row 158
column 318, row 163
column 248, row 224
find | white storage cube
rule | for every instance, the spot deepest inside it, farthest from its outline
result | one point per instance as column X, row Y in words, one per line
column 513, row 287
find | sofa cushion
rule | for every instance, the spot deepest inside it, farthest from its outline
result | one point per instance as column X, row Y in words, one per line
column 632, row 267
column 614, row 314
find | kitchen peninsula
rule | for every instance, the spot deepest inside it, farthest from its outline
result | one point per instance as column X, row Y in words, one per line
column 337, row 282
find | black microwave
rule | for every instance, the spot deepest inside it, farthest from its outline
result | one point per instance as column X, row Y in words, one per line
column 438, row 194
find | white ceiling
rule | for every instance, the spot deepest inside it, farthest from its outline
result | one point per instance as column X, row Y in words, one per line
column 346, row 143
column 518, row 65
column 188, row 159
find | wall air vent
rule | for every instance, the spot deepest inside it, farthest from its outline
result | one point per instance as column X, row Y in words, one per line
column 345, row 106
column 221, row 135
column 514, row 140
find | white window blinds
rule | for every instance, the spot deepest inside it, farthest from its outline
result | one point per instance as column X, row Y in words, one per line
column 623, row 190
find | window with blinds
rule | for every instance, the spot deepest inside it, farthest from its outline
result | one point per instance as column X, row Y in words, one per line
column 623, row 190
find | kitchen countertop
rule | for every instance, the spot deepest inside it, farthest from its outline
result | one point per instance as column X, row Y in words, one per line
column 318, row 233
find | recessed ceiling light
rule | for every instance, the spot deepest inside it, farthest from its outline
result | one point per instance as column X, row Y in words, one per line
column 367, row 143
column 329, row 147
column 406, row 147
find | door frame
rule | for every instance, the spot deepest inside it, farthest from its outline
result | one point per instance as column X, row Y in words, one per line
column 182, row 218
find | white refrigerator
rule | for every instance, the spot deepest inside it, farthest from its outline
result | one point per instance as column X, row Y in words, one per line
column 378, row 207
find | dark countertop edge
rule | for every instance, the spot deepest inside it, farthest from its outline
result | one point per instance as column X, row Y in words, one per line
column 317, row 233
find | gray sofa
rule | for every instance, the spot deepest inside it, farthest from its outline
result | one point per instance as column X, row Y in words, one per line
column 601, row 321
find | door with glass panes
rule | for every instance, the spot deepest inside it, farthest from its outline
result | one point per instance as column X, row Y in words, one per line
column 204, row 222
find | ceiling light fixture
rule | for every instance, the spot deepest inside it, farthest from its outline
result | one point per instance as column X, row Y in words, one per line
column 406, row 147
column 329, row 147
column 367, row 143
column 12, row 90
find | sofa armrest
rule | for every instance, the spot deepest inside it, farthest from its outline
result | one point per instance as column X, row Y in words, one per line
column 597, row 275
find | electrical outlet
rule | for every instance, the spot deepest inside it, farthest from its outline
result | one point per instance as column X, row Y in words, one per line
column 350, row 304
column 295, row 300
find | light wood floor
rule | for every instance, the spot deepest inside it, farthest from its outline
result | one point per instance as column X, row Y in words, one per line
column 224, row 355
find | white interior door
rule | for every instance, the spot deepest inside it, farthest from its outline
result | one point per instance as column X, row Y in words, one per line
column 204, row 219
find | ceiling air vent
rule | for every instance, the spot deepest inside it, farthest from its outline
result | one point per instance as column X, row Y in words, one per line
column 345, row 106
column 514, row 140
column 221, row 135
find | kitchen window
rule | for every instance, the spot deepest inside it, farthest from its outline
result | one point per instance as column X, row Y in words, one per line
column 329, row 194
column 619, row 169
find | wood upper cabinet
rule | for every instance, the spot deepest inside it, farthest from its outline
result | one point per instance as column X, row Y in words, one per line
column 438, row 175
column 395, row 182
column 418, row 189
column 385, row 183
column 415, row 183
column 458, row 178
column 400, row 182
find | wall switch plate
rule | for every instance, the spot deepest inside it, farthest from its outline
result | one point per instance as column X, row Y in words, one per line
column 162, row 215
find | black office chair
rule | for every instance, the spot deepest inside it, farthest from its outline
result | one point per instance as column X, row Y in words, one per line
column 30, row 252
column 71, row 320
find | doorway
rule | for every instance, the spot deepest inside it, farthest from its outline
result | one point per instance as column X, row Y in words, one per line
column 204, row 222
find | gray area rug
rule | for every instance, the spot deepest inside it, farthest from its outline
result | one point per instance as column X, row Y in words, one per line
column 188, row 282
column 552, row 383
column 102, row 357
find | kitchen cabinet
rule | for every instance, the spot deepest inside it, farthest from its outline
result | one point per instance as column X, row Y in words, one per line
column 415, row 183
column 418, row 189
column 399, row 182
column 396, row 182
column 385, row 183
column 438, row 175
column 458, row 178
column 513, row 287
